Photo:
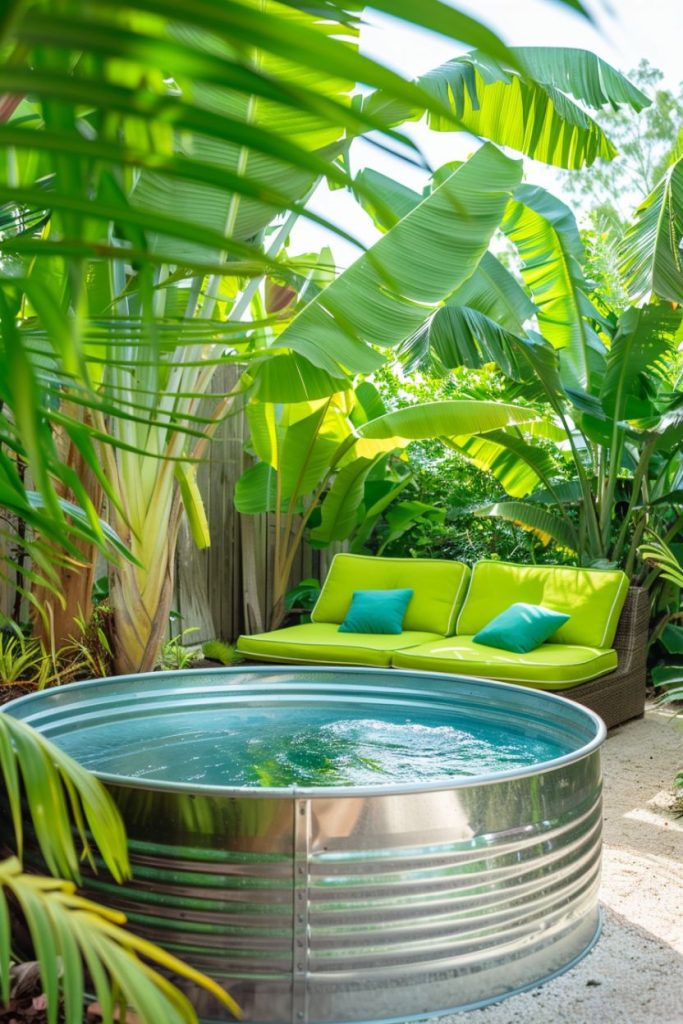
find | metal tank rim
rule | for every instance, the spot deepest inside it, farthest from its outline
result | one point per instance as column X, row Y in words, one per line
column 313, row 792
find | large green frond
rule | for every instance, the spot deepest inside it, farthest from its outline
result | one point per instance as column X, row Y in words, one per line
column 546, row 526
column 448, row 419
column 60, row 794
column 392, row 289
column 546, row 236
column 529, row 110
column 517, row 465
column 644, row 338
column 651, row 251
column 459, row 336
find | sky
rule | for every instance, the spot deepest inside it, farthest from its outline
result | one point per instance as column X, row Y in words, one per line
column 625, row 31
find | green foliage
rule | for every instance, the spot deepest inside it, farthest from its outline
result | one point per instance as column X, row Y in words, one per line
column 526, row 107
column 443, row 479
column 301, row 599
column 216, row 650
column 24, row 660
column 87, row 653
column 71, row 814
column 93, row 949
column 175, row 654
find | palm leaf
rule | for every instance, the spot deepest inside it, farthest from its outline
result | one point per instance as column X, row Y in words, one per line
column 657, row 551
column 530, row 110
column 545, row 234
column 651, row 251
column 390, row 290
column 59, row 793
column 81, row 935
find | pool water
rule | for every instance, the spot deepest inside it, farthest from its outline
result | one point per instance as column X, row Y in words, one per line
column 282, row 746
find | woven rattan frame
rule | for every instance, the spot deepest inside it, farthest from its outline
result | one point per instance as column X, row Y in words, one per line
column 620, row 695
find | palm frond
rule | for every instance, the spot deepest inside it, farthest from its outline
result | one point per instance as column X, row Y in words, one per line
column 651, row 252
column 660, row 554
column 60, row 796
column 85, row 937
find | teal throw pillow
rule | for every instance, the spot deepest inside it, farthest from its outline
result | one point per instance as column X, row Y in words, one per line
column 376, row 611
column 521, row 628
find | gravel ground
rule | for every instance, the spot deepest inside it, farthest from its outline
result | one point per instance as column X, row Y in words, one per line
column 634, row 975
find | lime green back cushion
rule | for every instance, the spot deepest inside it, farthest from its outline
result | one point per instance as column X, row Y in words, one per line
column 439, row 587
column 593, row 598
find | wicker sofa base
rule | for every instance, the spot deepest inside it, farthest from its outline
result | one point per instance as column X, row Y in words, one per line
column 616, row 697
column 620, row 696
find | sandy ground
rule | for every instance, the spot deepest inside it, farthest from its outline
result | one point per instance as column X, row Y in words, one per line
column 634, row 975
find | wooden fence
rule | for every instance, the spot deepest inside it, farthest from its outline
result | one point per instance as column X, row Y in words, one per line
column 225, row 590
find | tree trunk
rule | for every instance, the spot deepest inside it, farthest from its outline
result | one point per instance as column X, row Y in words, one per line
column 141, row 597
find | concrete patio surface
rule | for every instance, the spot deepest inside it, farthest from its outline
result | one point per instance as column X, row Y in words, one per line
column 634, row 975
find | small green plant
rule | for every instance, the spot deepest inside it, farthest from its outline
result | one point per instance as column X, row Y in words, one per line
column 301, row 598
column 175, row 654
column 24, row 660
column 216, row 650
column 88, row 653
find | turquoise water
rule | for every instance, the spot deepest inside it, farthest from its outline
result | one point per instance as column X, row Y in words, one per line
column 284, row 746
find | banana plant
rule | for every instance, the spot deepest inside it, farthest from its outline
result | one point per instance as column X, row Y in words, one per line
column 315, row 459
column 651, row 260
column 603, row 378
column 526, row 102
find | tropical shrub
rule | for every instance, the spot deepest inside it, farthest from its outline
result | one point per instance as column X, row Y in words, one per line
column 317, row 462
column 444, row 480
column 606, row 378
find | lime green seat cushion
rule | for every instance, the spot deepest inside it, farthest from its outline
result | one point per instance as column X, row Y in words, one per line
column 549, row 667
column 439, row 588
column 323, row 644
column 593, row 598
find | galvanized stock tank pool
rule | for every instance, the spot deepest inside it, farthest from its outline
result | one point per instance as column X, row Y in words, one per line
column 346, row 844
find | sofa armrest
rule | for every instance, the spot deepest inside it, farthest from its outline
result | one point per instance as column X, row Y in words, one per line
column 631, row 637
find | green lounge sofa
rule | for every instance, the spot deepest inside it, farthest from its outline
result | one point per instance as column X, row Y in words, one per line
column 439, row 588
column 596, row 658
